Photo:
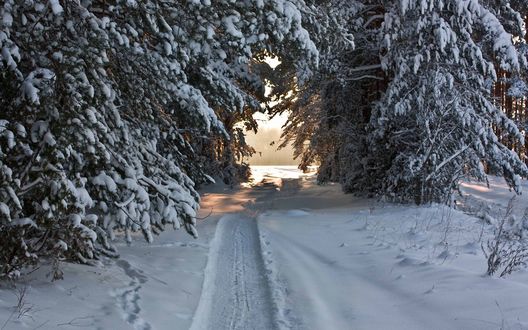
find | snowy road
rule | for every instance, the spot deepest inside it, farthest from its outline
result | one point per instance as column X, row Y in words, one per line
column 241, row 297
column 294, row 255
column 236, row 294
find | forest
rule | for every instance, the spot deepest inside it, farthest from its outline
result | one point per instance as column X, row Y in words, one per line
column 114, row 113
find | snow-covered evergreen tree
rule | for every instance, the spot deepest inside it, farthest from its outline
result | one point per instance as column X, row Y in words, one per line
column 435, row 122
column 103, row 104
column 330, row 112
column 408, row 112
column 512, row 15
column 331, row 26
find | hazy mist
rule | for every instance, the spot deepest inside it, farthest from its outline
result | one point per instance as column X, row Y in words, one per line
column 268, row 154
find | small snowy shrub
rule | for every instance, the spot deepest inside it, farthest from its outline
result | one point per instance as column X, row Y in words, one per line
column 507, row 250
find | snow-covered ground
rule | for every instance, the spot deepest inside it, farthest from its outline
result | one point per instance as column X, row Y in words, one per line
column 494, row 198
column 367, row 265
column 286, row 253
column 153, row 286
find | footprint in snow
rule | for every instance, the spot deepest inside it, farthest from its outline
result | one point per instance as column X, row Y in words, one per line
column 128, row 297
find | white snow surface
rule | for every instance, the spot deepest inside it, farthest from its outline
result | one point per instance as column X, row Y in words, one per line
column 285, row 253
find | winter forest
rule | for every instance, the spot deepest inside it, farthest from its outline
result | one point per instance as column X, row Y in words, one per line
column 120, row 118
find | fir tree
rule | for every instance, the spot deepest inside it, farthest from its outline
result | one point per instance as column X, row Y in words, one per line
column 103, row 103
column 434, row 124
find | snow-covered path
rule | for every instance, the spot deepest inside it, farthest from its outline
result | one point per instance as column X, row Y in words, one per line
column 334, row 261
column 239, row 297
column 307, row 285
column 323, row 276
column 327, row 293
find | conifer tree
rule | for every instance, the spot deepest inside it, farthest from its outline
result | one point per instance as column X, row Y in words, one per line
column 434, row 124
column 102, row 105
column 409, row 112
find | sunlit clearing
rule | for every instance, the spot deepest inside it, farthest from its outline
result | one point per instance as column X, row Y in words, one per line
column 262, row 175
column 266, row 142
column 268, row 137
column 264, row 121
column 476, row 187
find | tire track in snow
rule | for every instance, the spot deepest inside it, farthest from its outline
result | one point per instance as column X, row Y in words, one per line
column 311, row 269
column 321, row 304
column 236, row 282
column 128, row 297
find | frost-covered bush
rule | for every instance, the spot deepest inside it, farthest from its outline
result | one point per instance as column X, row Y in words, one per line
column 507, row 250
column 103, row 107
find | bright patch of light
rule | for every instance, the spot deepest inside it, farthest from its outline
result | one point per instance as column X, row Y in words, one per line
column 272, row 61
column 261, row 175
column 264, row 121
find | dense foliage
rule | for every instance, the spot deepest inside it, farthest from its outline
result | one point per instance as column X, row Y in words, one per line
column 113, row 112
column 409, row 111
